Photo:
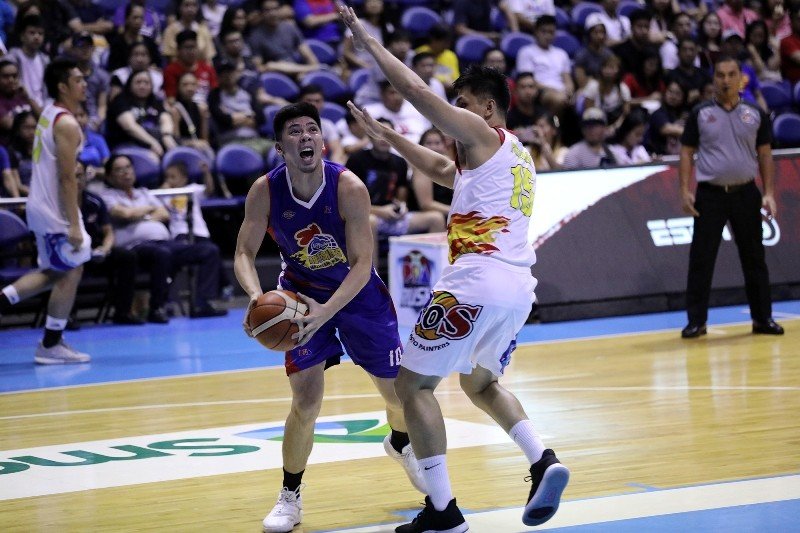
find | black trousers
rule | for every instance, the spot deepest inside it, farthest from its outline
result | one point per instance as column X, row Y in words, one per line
column 742, row 208
column 162, row 258
column 120, row 267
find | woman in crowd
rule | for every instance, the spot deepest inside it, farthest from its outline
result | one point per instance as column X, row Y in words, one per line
column 131, row 33
column 373, row 16
column 432, row 196
column 609, row 93
column 546, row 147
column 709, row 37
column 627, row 146
column 646, row 83
column 191, row 117
column 20, row 149
column 762, row 55
column 666, row 124
column 139, row 58
column 137, row 117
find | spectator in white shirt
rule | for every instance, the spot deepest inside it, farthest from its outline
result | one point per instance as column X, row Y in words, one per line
column 627, row 148
column 527, row 11
column 30, row 58
column 618, row 28
column 550, row 65
column 424, row 65
column 406, row 119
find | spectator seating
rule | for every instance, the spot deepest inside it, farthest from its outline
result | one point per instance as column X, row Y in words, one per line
column 626, row 7
column 273, row 159
column 778, row 95
column 358, row 78
column 239, row 166
column 796, row 94
column 786, row 130
column 417, row 20
column 192, row 158
column 513, row 41
column 499, row 22
column 470, row 48
column 333, row 88
column 567, row 42
column 562, row 19
column 12, row 232
column 278, row 84
column 333, row 112
column 324, row 52
column 581, row 11
column 145, row 164
column 269, row 115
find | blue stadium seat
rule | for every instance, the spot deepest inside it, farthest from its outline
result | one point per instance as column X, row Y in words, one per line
column 786, row 130
column 581, row 11
column 796, row 94
column 108, row 7
column 237, row 164
column 626, row 7
column 778, row 95
column 567, row 42
column 333, row 88
column 333, row 112
column 513, row 41
column 358, row 78
column 278, row 84
column 12, row 231
column 499, row 22
column 323, row 51
column 269, row 115
column 273, row 159
column 470, row 48
column 146, row 165
column 192, row 158
column 562, row 19
column 417, row 20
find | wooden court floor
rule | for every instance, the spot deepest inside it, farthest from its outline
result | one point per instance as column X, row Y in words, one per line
column 622, row 412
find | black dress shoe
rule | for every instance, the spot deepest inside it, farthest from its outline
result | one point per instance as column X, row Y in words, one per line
column 127, row 320
column 207, row 311
column 158, row 316
column 693, row 330
column 770, row 327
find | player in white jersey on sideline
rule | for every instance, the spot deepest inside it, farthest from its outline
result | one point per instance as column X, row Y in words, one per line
column 54, row 215
column 484, row 296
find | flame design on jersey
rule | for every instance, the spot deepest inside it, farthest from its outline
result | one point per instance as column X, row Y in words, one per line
column 473, row 234
column 317, row 250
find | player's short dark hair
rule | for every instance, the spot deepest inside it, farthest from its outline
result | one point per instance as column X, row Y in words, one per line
column 57, row 71
column 485, row 82
column 287, row 113
column 724, row 58
column 185, row 35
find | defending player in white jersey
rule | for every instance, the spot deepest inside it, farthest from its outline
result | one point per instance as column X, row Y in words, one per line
column 485, row 294
column 54, row 214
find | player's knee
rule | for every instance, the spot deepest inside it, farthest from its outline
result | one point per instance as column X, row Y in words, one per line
column 307, row 406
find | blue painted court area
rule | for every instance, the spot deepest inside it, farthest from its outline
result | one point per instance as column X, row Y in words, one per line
column 763, row 517
column 184, row 346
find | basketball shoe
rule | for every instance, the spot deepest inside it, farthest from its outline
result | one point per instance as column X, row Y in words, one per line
column 549, row 479
column 287, row 513
column 429, row 520
column 408, row 461
column 59, row 354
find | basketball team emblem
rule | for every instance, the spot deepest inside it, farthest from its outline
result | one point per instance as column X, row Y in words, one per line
column 317, row 250
column 445, row 317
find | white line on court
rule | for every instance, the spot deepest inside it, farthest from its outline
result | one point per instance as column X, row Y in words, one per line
column 628, row 506
column 681, row 389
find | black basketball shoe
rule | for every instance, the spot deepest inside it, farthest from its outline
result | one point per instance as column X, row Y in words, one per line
column 549, row 479
column 430, row 520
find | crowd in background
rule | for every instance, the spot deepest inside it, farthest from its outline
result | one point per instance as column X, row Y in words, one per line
column 592, row 84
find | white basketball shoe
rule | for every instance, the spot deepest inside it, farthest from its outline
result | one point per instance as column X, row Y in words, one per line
column 59, row 354
column 408, row 461
column 287, row 513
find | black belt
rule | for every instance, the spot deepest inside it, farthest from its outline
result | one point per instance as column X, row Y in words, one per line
column 726, row 188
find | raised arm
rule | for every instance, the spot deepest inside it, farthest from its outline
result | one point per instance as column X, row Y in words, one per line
column 439, row 168
column 462, row 125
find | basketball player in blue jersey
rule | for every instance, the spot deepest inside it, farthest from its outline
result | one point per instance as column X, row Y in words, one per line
column 484, row 296
column 318, row 214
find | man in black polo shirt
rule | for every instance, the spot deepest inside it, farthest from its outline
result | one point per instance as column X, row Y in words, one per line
column 692, row 78
column 732, row 139
column 119, row 264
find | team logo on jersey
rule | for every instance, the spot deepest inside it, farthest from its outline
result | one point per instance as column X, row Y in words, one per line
column 474, row 234
column 747, row 115
column 317, row 250
column 446, row 317
column 288, row 214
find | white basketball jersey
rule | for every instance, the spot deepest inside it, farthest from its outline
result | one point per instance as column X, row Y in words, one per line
column 44, row 211
column 492, row 205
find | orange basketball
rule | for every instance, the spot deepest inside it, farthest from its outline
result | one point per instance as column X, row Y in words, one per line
column 269, row 319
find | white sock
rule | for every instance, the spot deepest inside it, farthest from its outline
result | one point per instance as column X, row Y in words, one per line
column 11, row 293
column 434, row 471
column 56, row 324
column 528, row 440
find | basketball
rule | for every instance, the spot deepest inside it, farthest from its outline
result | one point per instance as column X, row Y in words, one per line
column 269, row 319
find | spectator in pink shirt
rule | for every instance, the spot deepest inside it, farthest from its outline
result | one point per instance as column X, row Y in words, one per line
column 734, row 16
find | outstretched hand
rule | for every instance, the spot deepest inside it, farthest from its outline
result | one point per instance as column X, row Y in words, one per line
column 372, row 127
column 309, row 324
column 350, row 20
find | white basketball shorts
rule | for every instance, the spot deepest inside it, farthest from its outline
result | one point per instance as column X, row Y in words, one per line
column 56, row 253
column 473, row 317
